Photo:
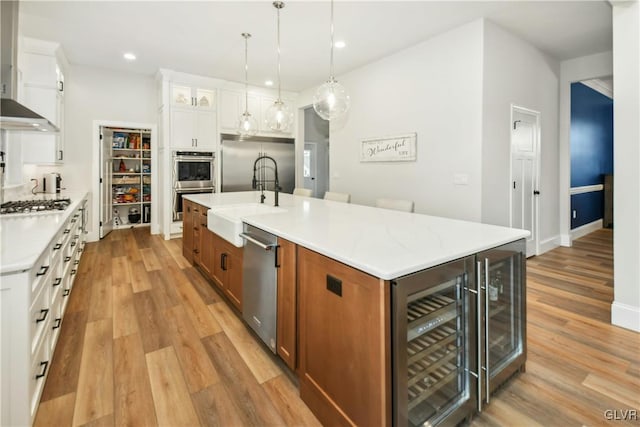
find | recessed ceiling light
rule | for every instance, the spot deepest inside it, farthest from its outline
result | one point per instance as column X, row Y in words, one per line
column 340, row 44
column 268, row 83
column 129, row 56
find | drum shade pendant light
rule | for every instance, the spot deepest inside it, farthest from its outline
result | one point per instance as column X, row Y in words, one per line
column 247, row 125
column 331, row 99
column 278, row 116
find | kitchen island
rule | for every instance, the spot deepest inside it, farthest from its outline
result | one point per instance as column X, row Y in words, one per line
column 339, row 262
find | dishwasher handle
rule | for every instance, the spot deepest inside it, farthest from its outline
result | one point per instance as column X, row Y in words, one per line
column 256, row 241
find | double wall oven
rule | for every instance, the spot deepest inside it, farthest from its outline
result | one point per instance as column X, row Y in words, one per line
column 193, row 173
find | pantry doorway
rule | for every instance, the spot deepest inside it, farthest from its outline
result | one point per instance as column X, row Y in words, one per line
column 126, row 176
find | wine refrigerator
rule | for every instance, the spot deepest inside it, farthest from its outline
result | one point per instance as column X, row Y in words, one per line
column 458, row 333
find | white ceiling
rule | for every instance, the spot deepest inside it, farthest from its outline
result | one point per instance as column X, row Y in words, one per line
column 203, row 37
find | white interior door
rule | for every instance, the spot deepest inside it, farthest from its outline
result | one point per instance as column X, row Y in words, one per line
column 310, row 167
column 524, row 174
column 106, row 167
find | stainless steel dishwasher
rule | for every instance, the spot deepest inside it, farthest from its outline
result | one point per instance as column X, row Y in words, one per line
column 259, row 283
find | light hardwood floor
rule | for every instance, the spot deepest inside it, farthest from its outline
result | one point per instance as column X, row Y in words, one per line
column 147, row 341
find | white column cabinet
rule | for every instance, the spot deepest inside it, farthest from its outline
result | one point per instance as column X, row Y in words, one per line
column 193, row 118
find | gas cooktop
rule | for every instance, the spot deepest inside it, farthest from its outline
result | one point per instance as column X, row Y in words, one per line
column 34, row 206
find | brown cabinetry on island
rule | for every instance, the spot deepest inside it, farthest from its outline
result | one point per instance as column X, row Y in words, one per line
column 345, row 367
column 218, row 259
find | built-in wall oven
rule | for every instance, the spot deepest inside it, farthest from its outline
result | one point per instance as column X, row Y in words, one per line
column 193, row 173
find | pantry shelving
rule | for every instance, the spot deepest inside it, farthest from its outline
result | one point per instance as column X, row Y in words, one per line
column 131, row 177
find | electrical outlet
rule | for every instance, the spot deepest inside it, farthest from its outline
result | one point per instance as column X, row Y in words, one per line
column 574, row 214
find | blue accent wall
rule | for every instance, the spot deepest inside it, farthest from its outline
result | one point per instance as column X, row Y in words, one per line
column 591, row 150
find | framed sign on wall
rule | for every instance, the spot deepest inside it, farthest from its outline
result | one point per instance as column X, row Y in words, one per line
column 400, row 148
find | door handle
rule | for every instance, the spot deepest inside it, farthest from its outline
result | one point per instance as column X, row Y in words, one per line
column 536, row 193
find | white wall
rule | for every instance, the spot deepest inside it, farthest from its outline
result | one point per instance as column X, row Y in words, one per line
column 434, row 89
column 515, row 72
column 573, row 70
column 98, row 94
column 625, row 310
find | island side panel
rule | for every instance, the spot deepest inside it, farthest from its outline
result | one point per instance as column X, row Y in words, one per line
column 286, row 335
column 345, row 366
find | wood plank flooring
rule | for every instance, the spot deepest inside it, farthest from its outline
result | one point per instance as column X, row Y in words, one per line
column 147, row 341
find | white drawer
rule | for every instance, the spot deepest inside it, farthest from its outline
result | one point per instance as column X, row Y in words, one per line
column 38, row 272
column 39, row 314
column 38, row 374
column 56, row 318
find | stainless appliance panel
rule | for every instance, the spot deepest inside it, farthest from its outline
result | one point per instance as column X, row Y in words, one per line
column 177, row 199
column 238, row 157
column 193, row 170
column 259, row 283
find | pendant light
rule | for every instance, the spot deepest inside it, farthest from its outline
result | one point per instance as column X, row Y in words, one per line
column 278, row 115
column 331, row 99
column 247, row 126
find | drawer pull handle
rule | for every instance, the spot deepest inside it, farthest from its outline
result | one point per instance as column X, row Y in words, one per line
column 57, row 281
column 57, row 324
column 44, row 370
column 43, row 270
column 57, row 246
column 76, row 262
column 74, row 271
column 67, row 231
column 44, row 313
column 73, row 243
column 65, row 293
column 67, row 259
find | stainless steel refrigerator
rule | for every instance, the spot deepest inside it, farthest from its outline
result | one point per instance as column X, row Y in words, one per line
column 239, row 155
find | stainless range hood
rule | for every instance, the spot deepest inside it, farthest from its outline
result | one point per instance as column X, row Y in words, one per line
column 13, row 115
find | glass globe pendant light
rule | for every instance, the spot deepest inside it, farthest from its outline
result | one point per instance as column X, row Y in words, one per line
column 331, row 99
column 278, row 116
column 247, row 125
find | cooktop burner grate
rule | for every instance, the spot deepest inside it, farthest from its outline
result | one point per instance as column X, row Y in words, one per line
column 34, row 206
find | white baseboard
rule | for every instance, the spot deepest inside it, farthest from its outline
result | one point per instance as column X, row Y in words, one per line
column 549, row 244
column 565, row 240
column 625, row 316
column 583, row 230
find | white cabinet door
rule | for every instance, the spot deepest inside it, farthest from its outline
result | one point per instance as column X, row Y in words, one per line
column 205, row 99
column 181, row 96
column 192, row 128
column 182, row 125
column 43, row 101
column 205, row 129
column 230, row 110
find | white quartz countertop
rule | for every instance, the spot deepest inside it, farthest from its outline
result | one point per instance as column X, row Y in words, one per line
column 384, row 243
column 25, row 236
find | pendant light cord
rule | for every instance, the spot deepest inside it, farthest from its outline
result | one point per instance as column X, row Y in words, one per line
column 331, row 77
column 246, row 72
column 278, row 7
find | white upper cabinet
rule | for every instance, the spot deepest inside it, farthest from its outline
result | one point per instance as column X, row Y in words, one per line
column 187, row 96
column 232, row 105
column 41, row 66
column 193, row 118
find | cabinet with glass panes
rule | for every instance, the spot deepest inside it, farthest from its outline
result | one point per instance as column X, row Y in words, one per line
column 131, row 177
